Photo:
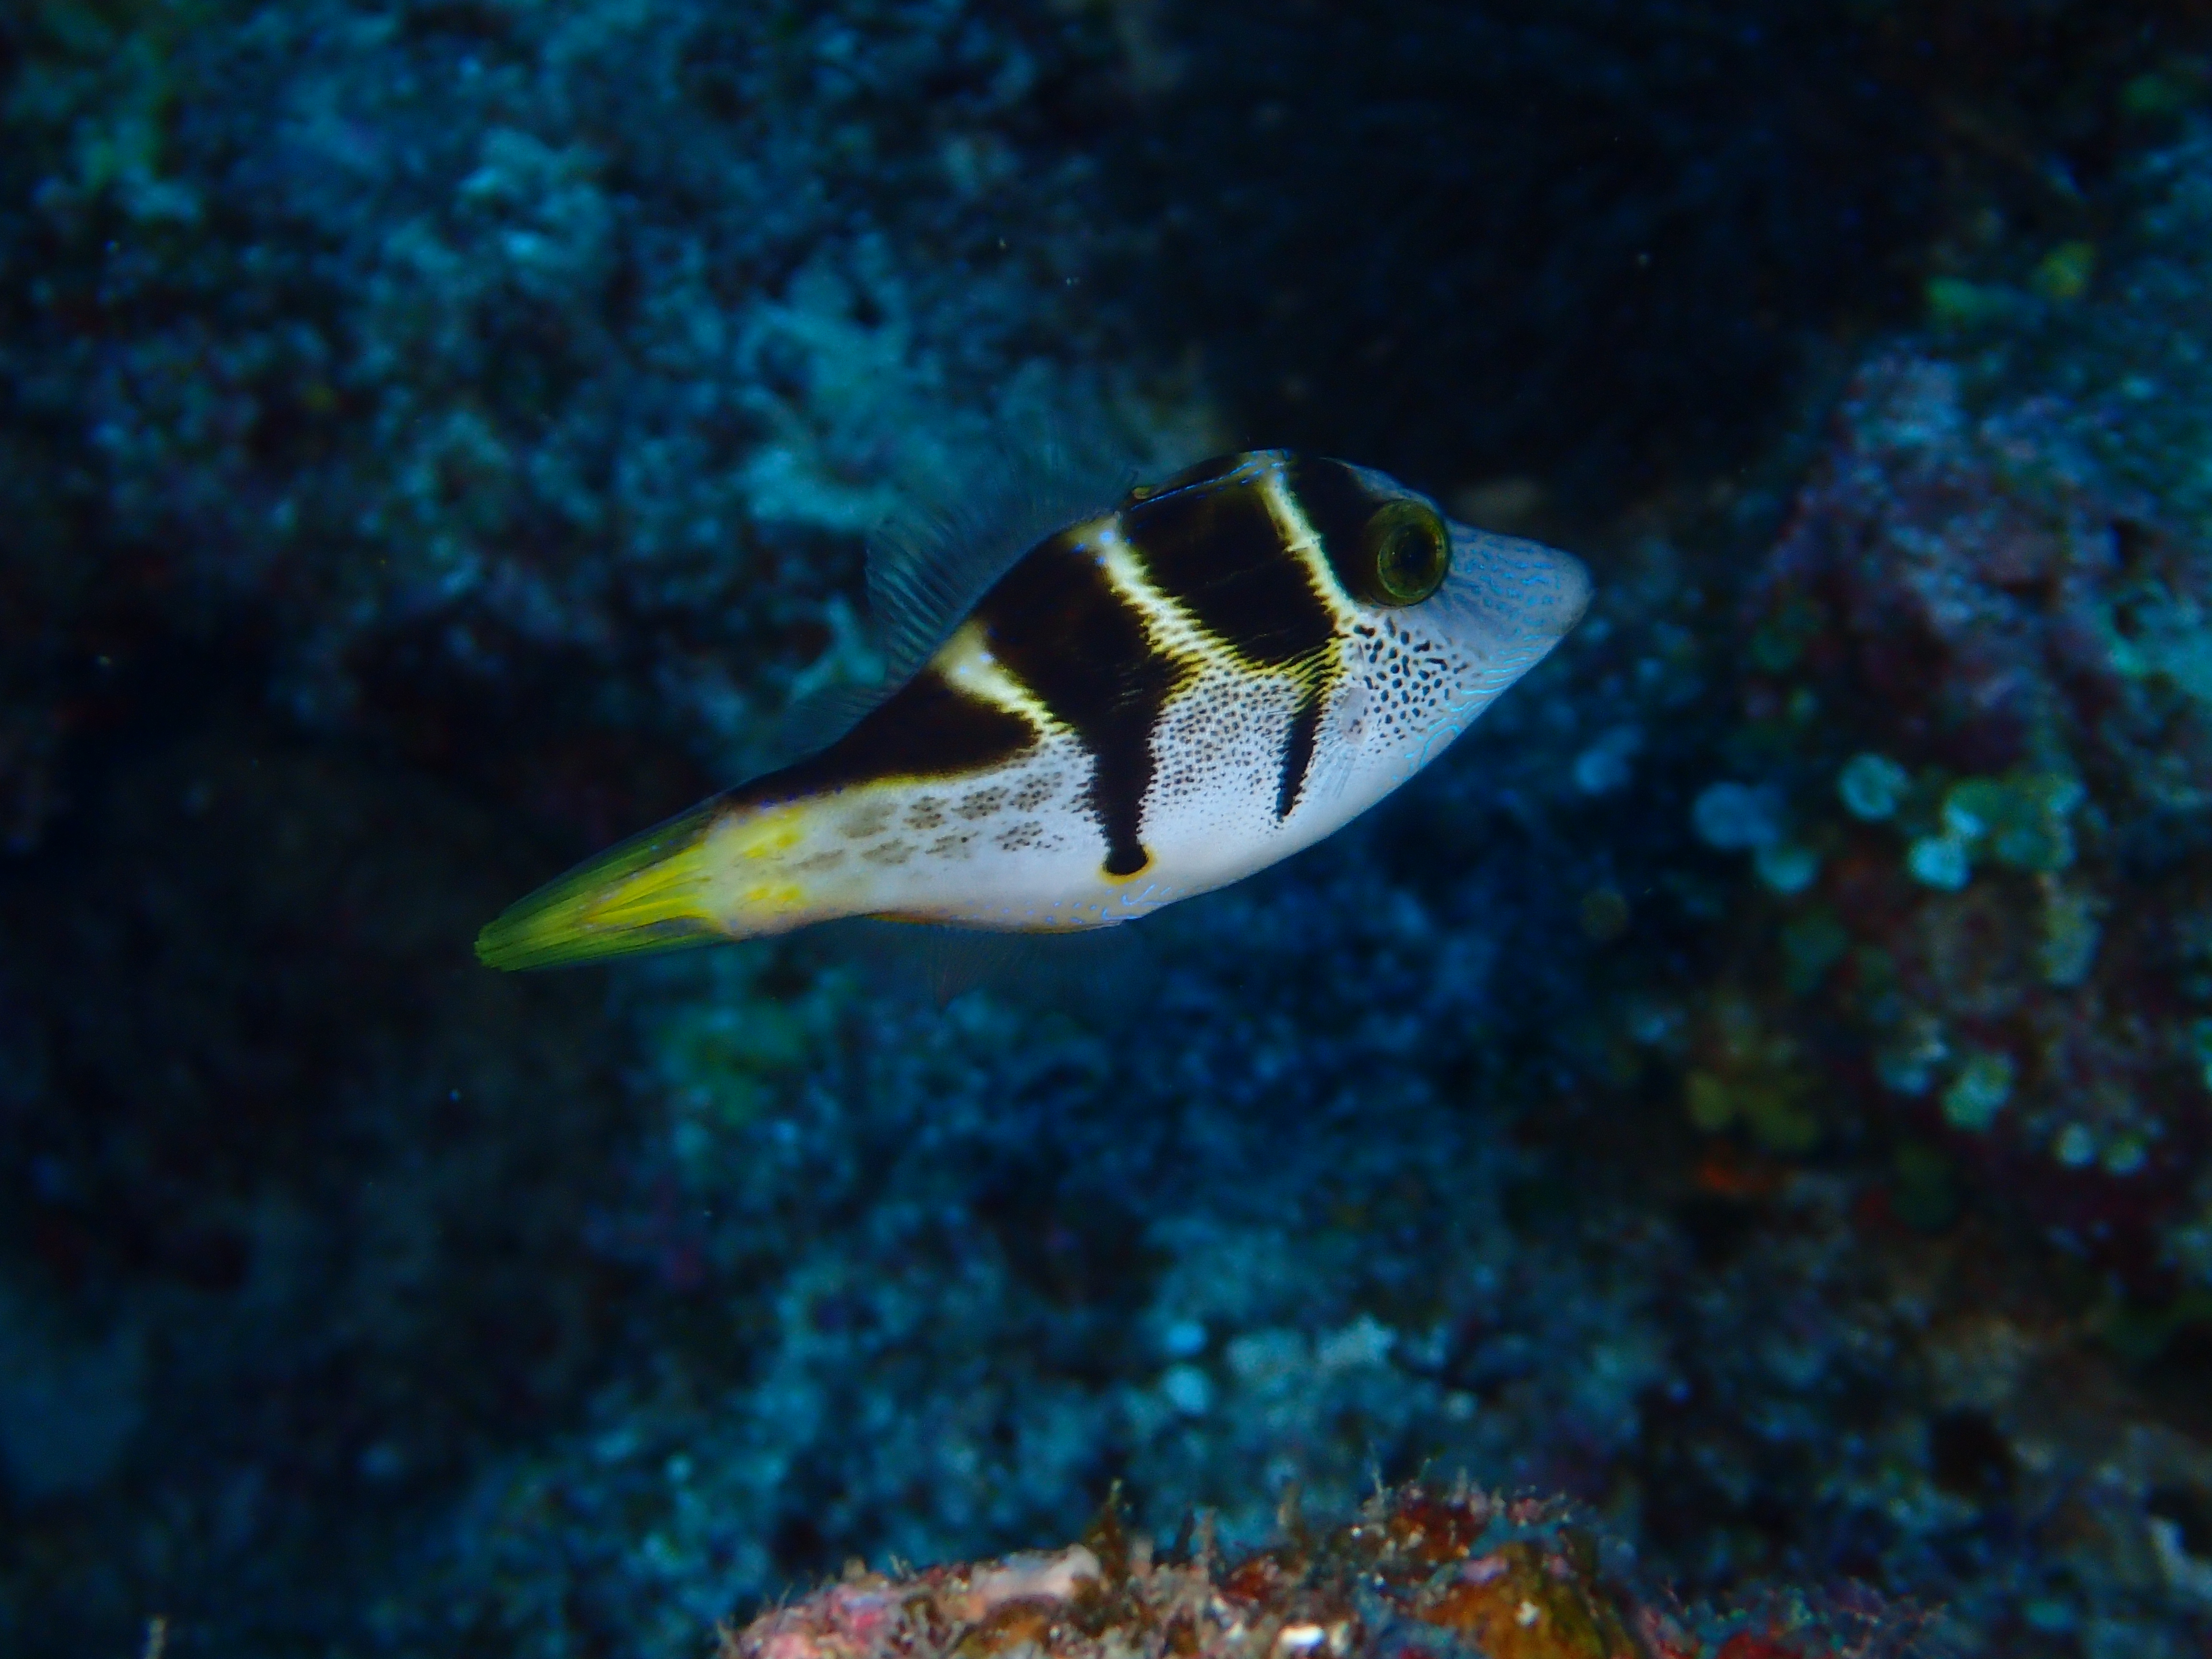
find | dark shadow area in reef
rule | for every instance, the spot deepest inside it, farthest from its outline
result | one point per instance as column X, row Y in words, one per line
column 308, row 1231
column 1594, row 241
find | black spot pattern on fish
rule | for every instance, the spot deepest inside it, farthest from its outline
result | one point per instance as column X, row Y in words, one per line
column 1409, row 678
column 1035, row 791
column 869, row 820
column 927, row 813
column 1056, row 624
column 982, row 804
column 1215, row 731
column 1021, row 837
column 890, row 853
column 1218, row 552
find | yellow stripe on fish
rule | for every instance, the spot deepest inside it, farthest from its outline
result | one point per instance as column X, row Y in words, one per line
column 1149, row 703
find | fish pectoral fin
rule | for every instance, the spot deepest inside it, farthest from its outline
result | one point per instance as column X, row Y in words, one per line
column 1344, row 729
column 649, row 893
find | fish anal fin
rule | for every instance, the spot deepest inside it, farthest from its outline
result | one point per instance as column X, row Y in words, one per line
column 1099, row 971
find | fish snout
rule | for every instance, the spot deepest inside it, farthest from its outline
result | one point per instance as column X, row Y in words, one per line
column 1521, row 596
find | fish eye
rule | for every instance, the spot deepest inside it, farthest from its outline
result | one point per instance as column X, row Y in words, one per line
column 1410, row 550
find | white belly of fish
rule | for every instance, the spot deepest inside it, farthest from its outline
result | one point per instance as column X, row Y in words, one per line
column 1015, row 847
column 1210, row 818
column 1020, row 846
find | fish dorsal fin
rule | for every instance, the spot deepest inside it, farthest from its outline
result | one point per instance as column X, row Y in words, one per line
column 813, row 722
column 927, row 567
column 929, row 564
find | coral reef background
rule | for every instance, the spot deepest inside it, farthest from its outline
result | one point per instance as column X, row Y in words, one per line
column 1758, row 1087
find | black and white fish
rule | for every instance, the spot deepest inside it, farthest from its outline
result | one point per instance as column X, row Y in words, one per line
column 1147, row 704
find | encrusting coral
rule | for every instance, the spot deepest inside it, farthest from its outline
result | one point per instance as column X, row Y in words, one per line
column 1971, row 769
column 1417, row 1571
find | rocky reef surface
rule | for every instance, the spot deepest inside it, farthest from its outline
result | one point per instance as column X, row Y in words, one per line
column 1755, row 1088
column 1417, row 1571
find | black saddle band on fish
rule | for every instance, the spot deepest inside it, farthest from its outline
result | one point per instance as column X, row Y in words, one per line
column 1058, row 624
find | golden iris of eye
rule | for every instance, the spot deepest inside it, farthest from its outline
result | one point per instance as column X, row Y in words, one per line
column 1411, row 551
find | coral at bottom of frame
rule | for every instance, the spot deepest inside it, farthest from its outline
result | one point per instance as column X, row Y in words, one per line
column 1416, row 1572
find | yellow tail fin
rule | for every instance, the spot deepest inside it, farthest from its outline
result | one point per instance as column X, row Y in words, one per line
column 648, row 894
